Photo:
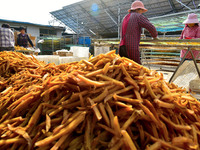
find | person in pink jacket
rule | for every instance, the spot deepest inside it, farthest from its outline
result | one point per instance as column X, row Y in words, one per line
column 191, row 31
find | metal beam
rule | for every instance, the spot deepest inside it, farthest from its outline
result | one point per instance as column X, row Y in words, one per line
column 67, row 26
column 86, row 29
column 109, row 12
column 172, row 5
column 93, row 18
column 110, row 16
column 174, row 14
column 184, row 5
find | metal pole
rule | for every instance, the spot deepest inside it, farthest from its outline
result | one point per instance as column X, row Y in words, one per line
column 119, row 17
column 52, row 44
column 195, row 63
column 179, row 65
column 184, row 5
column 78, row 31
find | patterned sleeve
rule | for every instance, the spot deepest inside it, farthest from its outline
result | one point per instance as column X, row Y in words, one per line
column 145, row 23
column 12, row 38
column 198, row 33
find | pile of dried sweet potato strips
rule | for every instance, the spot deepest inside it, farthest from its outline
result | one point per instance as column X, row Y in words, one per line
column 107, row 102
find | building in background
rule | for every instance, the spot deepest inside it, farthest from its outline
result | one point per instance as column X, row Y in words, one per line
column 36, row 30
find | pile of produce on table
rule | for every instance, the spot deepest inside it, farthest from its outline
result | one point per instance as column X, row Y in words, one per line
column 107, row 102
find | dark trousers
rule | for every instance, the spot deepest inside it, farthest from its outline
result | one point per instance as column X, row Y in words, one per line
column 122, row 51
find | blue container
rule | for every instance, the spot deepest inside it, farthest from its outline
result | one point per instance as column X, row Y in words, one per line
column 84, row 41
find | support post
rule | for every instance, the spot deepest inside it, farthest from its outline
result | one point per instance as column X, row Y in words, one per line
column 119, row 20
column 182, row 60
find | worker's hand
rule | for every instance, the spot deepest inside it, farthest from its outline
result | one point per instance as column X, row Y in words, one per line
column 156, row 38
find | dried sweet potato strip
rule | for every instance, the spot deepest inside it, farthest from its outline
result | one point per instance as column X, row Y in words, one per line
column 48, row 123
column 117, row 126
column 155, row 146
column 35, row 116
column 111, row 115
column 195, row 137
column 128, row 140
column 181, row 142
column 102, row 62
column 106, row 128
column 130, row 120
column 12, row 140
column 74, row 97
column 100, row 97
column 10, row 121
column 119, row 83
column 121, row 104
column 106, row 68
column 7, row 90
column 20, row 100
column 104, row 114
column 87, row 136
column 164, row 104
column 163, row 143
column 59, row 142
column 175, row 126
column 138, row 96
column 114, row 89
column 149, row 88
column 22, row 132
column 170, row 96
column 155, row 132
column 149, row 113
column 67, row 130
column 81, row 100
column 118, row 145
column 165, row 132
column 21, row 106
column 109, row 97
column 88, row 63
column 95, row 109
column 132, row 82
column 53, row 112
column 73, row 117
column 124, row 111
column 72, row 105
column 66, row 115
column 153, row 110
column 91, row 82
column 129, row 100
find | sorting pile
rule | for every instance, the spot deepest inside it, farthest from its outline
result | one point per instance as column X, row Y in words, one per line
column 107, row 102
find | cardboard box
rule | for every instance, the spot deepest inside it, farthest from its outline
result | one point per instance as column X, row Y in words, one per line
column 33, row 39
column 65, row 53
column 54, row 53
column 69, row 54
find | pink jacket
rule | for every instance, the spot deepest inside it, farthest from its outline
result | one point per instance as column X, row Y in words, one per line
column 190, row 33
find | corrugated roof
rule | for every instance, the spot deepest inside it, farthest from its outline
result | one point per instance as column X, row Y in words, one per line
column 29, row 23
column 98, row 17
